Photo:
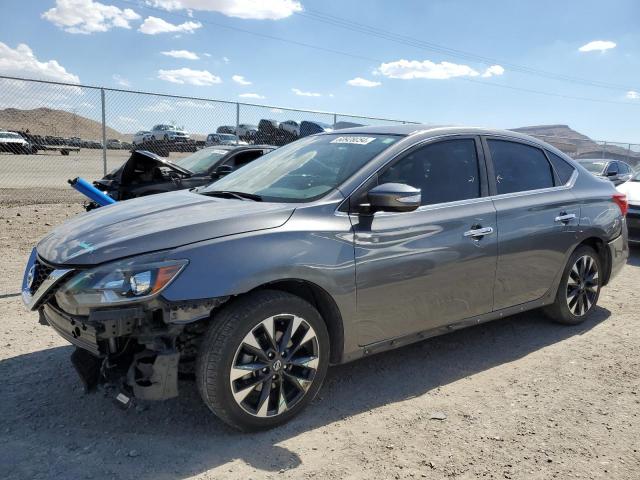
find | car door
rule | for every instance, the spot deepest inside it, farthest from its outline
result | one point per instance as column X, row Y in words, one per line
column 420, row 270
column 537, row 219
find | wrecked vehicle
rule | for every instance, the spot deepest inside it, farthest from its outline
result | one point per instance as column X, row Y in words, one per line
column 146, row 173
column 334, row 247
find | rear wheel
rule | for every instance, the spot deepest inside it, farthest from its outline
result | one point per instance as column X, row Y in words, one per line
column 263, row 360
column 579, row 288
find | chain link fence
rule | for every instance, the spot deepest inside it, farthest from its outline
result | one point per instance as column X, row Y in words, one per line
column 51, row 132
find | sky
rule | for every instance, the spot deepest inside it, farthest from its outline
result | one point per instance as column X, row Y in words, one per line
column 493, row 63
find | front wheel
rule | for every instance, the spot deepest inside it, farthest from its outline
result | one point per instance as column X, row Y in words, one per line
column 263, row 360
column 579, row 288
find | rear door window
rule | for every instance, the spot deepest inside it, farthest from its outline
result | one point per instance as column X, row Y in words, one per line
column 445, row 171
column 519, row 167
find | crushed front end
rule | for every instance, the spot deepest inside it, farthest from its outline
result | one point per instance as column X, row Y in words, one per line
column 133, row 346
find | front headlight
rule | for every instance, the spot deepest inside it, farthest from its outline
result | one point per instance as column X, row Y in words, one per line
column 116, row 283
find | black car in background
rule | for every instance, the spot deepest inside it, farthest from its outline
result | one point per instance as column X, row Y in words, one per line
column 145, row 173
column 615, row 170
column 311, row 128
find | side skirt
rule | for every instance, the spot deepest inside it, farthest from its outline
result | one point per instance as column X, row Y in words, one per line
column 392, row 343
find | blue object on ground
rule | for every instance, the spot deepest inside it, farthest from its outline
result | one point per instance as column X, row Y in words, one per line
column 85, row 188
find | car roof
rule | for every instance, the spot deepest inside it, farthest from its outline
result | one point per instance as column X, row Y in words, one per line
column 427, row 131
column 233, row 147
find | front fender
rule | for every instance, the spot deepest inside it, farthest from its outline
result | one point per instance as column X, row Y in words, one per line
column 236, row 264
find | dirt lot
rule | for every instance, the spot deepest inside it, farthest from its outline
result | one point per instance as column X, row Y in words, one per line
column 28, row 179
column 518, row 398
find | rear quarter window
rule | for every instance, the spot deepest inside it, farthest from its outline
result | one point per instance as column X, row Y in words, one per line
column 563, row 169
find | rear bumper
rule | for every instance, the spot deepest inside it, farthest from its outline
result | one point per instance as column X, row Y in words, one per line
column 618, row 253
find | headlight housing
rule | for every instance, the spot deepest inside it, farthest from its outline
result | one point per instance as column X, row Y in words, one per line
column 116, row 283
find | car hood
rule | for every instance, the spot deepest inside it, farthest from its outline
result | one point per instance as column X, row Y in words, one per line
column 154, row 223
column 162, row 162
column 632, row 191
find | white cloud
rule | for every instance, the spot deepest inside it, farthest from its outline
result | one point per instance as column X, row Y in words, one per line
column 187, row 75
column 251, row 95
column 633, row 95
column 598, row 45
column 301, row 93
column 197, row 104
column 247, row 9
column 225, row 59
column 241, row 80
column 160, row 107
column 363, row 82
column 120, row 80
column 493, row 70
column 21, row 62
column 168, row 5
column 155, row 25
column 410, row 69
column 186, row 54
column 87, row 16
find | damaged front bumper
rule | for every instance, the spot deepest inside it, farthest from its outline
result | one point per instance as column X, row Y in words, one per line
column 133, row 350
column 136, row 349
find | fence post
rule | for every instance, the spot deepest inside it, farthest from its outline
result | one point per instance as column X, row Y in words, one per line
column 335, row 119
column 104, row 134
column 237, row 122
column 629, row 154
column 604, row 148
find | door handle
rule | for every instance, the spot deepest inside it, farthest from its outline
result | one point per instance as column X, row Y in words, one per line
column 478, row 232
column 565, row 217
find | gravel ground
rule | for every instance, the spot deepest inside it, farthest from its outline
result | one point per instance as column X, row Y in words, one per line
column 42, row 178
column 518, row 398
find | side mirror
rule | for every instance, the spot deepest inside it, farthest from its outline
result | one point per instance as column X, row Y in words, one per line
column 223, row 170
column 394, row 197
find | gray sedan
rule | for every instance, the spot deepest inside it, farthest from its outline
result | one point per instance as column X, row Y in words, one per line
column 334, row 247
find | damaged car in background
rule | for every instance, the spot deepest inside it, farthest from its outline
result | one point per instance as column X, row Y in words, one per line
column 335, row 247
column 145, row 173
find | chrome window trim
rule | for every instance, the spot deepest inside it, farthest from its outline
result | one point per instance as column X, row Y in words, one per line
column 570, row 184
column 566, row 186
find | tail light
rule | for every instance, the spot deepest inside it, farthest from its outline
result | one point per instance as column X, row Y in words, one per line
column 621, row 201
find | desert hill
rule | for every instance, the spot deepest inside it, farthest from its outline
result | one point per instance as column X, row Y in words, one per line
column 59, row 123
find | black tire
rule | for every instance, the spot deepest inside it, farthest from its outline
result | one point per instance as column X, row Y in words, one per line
column 564, row 309
column 222, row 347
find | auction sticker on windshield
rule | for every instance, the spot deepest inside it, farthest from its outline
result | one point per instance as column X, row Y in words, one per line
column 354, row 140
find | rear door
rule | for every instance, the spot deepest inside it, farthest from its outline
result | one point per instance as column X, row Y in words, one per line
column 431, row 267
column 537, row 216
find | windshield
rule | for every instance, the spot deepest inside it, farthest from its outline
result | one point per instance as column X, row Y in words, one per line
column 593, row 166
column 306, row 169
column 227, row 137
column 201, row 161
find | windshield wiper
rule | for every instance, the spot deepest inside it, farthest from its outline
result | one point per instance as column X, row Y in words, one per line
column 232, row 194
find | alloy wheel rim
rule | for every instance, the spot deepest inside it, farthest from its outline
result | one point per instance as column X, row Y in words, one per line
column 582, row 285
column 275, row 365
